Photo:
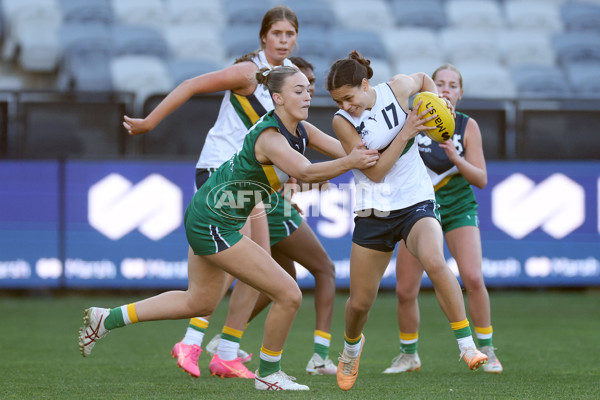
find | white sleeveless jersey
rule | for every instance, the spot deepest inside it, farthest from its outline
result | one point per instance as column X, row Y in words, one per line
column 236, row 116
column 407, row 182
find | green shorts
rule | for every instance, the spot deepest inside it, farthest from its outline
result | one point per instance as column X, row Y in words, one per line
column 206, row 238
column 283, row 220
column 456, row 217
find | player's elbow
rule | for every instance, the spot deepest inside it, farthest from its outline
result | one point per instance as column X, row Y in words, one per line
column 481, row 182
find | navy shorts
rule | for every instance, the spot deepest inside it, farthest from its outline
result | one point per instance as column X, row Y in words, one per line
column 381, row 231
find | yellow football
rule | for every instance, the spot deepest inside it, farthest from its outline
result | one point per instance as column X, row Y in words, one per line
column 443, row 123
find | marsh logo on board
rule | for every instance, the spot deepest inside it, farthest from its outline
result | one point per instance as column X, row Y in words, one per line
column 116, row 207
column 556, row 205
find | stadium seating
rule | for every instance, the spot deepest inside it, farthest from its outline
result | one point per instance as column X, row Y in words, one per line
column 314, row 43
column 382, row 71
column 525, row 47
column 87, row 11
column 239, row 40
column 400, row 36
column 469, row 45
column 474, row 14
column 143, row 75
column 533, row 15
column 486, row 79
column 576, row 47
column 243, row 12
column 195, row 41
column 372, row 14
column 368, row 43
column 140, row 40
column 32, row 34
column 405, row 44
column 540, row 81
column 412, row 65
column 182, row 69
column 139, row 12
column 584, row 79
column 193, row 12
column 86, row 53
column 313, row 13
column 426, row 13
column 581, row 16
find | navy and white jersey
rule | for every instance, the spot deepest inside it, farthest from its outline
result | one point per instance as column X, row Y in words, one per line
column 237, row 114
column 407, row 182
column 438, row 165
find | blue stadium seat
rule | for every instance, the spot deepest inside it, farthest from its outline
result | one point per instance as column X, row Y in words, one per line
column 314, row 43
column 474, row 14
column 534, row 15
column 373, row 14
column 243, row 12
column 411, row 65
column 86, row 53
column 87, row 11
column 486, row 79
column 240, row 39
column 195, row 41
column 581, row 16
column 584, row 79
column 143, row 75
column 427, row 13
column 140, row 12
column 467, row 45
column 32, row 34
column 182, row 69
column 520, row 46
column 314, row 14
column 404, row 44
column 368, row 43
column 540, row 81
column 577, row 47
column 194, row 12
column 140, row 40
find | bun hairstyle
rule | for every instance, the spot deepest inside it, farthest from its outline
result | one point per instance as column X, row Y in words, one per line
column 349, row 71
column 274, row 78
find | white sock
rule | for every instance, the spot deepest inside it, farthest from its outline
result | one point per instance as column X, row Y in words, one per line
column 352, row 350
column 193, row 336
column 465, row 343
column 227, row 349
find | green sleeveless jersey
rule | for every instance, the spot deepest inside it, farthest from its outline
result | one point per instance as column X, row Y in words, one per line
column 232, row 191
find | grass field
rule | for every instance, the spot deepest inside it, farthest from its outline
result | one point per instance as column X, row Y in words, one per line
column 548, row 342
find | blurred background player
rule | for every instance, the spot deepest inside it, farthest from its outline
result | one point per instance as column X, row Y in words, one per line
column 394, row 201
column 453, row 166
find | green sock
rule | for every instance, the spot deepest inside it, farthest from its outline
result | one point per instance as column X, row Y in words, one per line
column 409, row 342
column 266, row 368
column 484, row 335
column 321, row 350
column 121, row 316
column 322, row 341
column 114, row 319
column 270, row 362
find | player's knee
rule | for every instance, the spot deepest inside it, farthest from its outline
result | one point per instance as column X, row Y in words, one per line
column 473, row 282
column 434, row 265
column 328, row 270
column 406, row 294
column 294, row 298
column 360, row 306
